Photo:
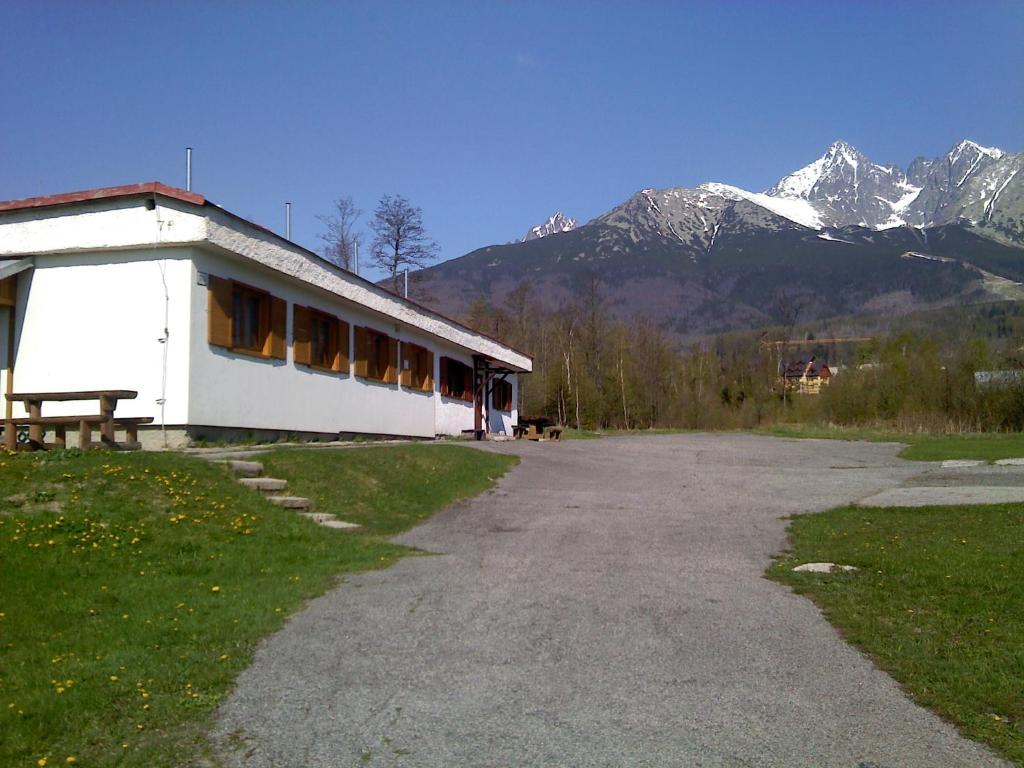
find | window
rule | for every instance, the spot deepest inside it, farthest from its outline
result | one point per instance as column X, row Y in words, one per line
column 320, row 340
column 456, row 379
column 376, row 356
column 501, row 395
column 246, row 319
column 417, row 367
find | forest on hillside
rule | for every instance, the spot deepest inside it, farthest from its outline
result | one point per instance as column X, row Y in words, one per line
column 912, row 373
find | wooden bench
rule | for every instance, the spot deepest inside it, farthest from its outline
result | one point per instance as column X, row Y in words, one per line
column 105, row 420
column 537, row 430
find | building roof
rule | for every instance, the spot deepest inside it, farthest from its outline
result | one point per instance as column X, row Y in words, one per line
column 127, row 190
column 156, row 188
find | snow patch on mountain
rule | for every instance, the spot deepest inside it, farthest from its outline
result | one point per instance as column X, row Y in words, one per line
column 555, row 224
column 798, row 210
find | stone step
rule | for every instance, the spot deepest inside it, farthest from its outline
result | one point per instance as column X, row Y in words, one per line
column 265, row 484
column 290, row 502
column 329, row 521
column 243, row 468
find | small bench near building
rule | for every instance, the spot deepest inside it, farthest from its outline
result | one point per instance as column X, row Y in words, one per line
column 105, row 420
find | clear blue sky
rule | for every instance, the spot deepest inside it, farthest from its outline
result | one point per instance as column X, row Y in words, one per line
column 488, row 115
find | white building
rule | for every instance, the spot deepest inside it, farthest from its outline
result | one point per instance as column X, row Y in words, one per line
column 226, row 329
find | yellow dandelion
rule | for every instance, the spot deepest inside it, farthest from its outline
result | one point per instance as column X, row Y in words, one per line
column 215, row 589
column 113, row 678
column 70, row 759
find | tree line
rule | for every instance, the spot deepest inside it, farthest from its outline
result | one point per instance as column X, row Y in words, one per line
column 593, row 371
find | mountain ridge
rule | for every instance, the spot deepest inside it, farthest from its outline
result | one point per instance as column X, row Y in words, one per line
column 841, row 235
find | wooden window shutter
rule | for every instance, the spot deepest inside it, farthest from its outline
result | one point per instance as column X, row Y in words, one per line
column 342, row 358
column 301, row 318
column 391, row 371
column 219, row 312
column 427, row 362
column 407, row 365
column 444, row 387
column 468, row 393
column 362, row 351
column 276, row 345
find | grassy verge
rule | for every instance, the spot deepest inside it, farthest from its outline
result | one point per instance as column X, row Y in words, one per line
column 920, row 447
column 134, row 588
column 590, row 434
column 936, row 603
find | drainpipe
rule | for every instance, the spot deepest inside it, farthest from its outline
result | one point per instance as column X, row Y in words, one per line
column 11, row 321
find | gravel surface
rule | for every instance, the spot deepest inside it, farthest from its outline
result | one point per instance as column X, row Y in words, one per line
column 604, row 606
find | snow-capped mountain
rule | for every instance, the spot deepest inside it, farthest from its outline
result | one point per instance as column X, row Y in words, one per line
column 845, row 187
column 970, row 184
column 841, row 236
column 559, row 222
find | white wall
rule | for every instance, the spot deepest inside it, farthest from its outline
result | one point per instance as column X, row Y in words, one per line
column 239, row 391
column 101, row 226
column 92, row 321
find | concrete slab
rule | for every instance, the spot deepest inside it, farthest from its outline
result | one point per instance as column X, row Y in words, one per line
column 823, row 568
column 264, row 483
column 290, row 502
column 1010, row 462
column 340, row 524
column 242, row 468
column 949, row 463
column 927, row 496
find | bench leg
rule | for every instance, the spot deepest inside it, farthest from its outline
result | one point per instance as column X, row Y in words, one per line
column 84, row 435
column 35, row 431
column 10, row 436
column 131, row 433
column 107, row 406
column 60, row 436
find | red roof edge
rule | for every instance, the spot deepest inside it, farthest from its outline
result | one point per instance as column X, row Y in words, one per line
column 128, row 190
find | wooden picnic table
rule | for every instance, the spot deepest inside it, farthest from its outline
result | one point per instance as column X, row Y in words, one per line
column 107, row 399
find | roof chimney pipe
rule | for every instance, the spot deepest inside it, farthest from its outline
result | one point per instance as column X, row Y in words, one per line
column 287, row 221
column 188, row 169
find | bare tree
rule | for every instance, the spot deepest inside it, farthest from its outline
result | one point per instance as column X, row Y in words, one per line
column 400, row 241
column 341, row 240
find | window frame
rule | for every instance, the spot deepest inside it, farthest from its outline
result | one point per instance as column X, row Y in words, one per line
column 465, row 390
column 375, row 360
column 223, row 319
column 417, row 367
column 335, row 354
column 506, row 403
column 244, row 293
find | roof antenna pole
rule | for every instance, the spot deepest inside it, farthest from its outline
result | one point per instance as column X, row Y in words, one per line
column 287, row 221
column 355, row 262
column 407, row 282
column 188, row 169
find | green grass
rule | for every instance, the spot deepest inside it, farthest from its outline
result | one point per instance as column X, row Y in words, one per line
column 936, row 603
column 570, row 433
column 135, row 587
column 987, row 446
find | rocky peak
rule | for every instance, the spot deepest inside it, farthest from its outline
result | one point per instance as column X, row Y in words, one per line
column 555, row 224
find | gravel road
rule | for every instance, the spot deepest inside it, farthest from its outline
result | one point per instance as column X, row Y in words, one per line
column 603, row 606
